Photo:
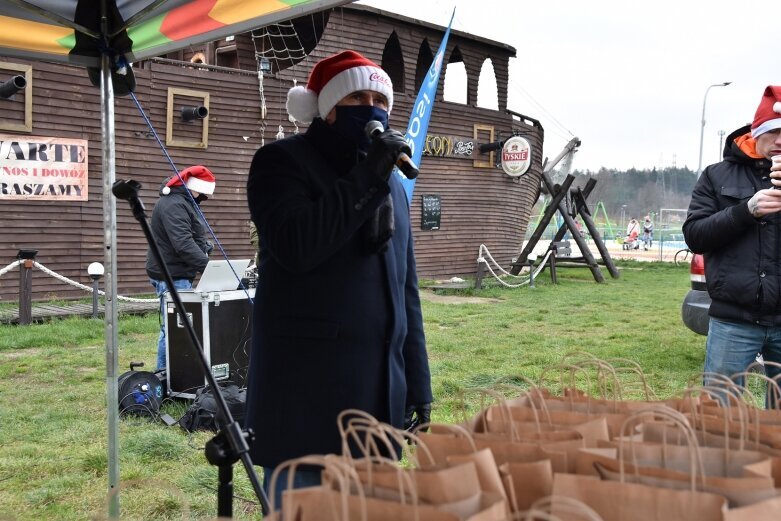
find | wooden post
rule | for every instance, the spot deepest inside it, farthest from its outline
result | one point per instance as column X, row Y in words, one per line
column 546, row 217
column 26, row 285
column 592, row 229
column 553, row 275
column 584, row 250
column 480, row 273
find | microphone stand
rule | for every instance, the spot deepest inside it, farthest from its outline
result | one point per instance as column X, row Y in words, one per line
column 231, row 442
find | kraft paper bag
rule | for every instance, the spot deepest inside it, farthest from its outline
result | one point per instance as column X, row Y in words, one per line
column 738, row 491
column 768, row 510
column 527, row 482
column 616, row 501
column 457, row 489
column 488, row 474
column 325, row 504
column 433, row 486
column 743, row 478
column 443, row 441
column 570, row 419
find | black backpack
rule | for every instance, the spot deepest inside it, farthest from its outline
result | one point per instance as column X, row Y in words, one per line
column 202, row 414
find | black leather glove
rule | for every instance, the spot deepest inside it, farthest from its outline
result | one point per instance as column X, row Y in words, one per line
column 384, row 152
column 378, row 230
column 417, row 415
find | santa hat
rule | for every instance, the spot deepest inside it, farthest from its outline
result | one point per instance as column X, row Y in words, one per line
column 768, row 115
column 332, row 79
column 198, row 178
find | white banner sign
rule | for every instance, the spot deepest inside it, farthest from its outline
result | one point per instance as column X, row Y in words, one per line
column 43, row 168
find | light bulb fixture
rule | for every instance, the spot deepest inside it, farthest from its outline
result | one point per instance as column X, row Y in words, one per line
column 95, row 269
column 265, row 65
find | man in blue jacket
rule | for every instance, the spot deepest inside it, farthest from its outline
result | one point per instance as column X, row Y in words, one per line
column 337, row 322
column 180, row 236
column 734, row 221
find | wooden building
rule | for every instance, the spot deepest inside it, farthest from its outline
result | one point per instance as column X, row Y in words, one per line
column 479, row 203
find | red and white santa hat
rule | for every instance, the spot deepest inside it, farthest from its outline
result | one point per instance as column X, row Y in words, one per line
column 768, row 116
column 198, row 178
column 332, row 79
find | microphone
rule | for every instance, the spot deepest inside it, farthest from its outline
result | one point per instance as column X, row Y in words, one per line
column 410, row 170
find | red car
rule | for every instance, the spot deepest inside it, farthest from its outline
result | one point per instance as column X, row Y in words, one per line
column 696, row 303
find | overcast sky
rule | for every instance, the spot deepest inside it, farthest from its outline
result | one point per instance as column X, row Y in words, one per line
column 627, row 78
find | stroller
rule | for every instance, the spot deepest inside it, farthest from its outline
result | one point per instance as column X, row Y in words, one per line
column 631, row 242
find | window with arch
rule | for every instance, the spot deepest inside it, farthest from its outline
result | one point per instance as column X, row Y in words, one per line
column 425, row 58
column 393, row 62
column 455, row 78
column 487, row 93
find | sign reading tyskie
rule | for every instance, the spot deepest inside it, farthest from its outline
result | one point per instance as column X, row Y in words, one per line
column 516, row 156
column 43, row 168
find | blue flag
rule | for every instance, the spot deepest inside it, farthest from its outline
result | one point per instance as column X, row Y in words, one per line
column 421, row 111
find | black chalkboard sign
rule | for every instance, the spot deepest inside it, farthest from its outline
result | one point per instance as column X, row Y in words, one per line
column 432, row 212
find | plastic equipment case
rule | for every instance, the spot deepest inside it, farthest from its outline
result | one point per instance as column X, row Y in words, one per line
column 223, row 324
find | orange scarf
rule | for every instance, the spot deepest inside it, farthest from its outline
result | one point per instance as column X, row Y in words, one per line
column 748, row 145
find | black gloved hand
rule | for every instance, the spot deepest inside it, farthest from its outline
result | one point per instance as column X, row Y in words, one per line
column 417, row 415
column 378, row 230
column 384, row 152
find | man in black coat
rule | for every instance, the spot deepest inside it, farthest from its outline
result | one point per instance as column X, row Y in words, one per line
column 180, row 236
column 337, row 322
column 734, row 221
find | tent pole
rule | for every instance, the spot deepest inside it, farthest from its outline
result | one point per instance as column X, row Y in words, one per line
column 110, row 261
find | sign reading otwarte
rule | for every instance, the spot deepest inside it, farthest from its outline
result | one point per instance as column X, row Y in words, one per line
column 43, row 168
column 516, row 156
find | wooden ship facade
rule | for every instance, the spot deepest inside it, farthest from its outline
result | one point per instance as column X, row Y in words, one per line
column 477, row 203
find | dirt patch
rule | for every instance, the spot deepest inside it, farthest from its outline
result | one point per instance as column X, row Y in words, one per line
column 432, row 296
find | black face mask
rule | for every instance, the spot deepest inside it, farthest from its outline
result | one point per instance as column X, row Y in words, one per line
column 201, row 198
column 351, row 122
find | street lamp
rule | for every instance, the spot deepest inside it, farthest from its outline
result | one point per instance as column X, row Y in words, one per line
column 702, row 122
column 95, row 271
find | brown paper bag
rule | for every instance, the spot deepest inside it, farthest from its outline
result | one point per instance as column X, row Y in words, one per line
column 616, row 501
column 744, row 477
column 768, row 510
column 325, row 504
column 527, row 483
column 445, row 440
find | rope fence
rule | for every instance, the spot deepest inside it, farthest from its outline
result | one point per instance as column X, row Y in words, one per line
column 484, row 256
column 25, row 312
column 85, row 287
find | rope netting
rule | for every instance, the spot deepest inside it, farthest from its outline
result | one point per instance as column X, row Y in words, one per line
column 73, row 283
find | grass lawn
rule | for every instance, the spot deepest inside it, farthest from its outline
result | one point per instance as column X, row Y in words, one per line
column 53, row 454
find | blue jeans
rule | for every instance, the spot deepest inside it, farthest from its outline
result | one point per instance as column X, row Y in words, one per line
column 732, row 346
column 301, row 479
column 161, row 288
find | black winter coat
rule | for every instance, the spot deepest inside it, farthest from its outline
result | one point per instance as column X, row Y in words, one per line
column 742, row 254
column 179, row 233
column 334, row 326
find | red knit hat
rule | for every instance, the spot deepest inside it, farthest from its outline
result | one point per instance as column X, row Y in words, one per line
column 768, row 115
column 198, row 178
column 332, row 79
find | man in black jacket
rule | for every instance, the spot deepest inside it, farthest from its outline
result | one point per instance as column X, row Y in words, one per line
column 180, row 236
column 337, row 322
column 734, row 221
